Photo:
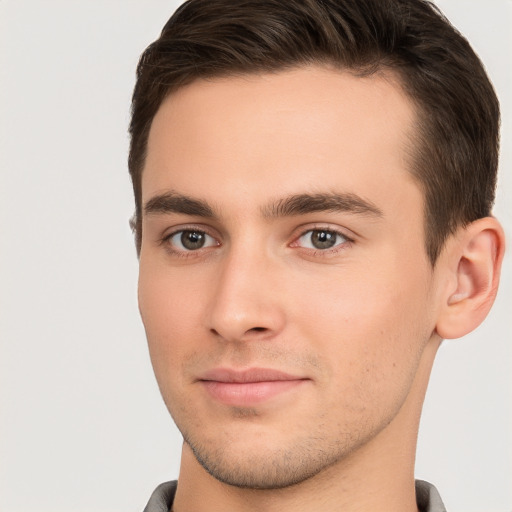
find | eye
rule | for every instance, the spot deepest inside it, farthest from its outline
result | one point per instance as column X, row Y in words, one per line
column 321, row 239
column 191, row 240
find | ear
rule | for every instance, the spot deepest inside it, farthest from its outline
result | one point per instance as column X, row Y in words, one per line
column 473, row 262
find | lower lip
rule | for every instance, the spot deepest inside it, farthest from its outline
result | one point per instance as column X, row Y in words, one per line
column 249, row 393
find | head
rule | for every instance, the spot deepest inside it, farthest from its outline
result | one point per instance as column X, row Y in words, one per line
column 456, row 142
column 312, row 181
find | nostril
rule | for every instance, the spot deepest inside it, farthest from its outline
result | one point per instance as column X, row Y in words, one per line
column 253, row 330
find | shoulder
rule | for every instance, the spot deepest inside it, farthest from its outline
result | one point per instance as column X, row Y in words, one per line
column 427, row 498
column 162, row 498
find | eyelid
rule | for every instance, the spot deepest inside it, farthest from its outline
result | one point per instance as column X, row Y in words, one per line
column 172, row 230
column 320, row 226
column 164, row 240
column 304, row 230
column 184, row 249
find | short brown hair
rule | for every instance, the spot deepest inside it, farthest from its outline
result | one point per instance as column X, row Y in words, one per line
column 456, row 152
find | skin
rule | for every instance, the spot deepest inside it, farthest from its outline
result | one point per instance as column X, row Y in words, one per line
column 358, row 323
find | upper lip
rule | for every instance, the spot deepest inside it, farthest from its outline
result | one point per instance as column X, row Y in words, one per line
column 246, row 376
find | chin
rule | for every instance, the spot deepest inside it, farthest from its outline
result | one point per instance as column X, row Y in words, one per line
column 253, row 466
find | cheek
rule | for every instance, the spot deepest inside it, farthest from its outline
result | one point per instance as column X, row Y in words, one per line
column 170, row 314
column 371, row 330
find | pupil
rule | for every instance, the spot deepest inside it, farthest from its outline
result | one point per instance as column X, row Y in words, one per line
column 323, row 239
column 192, row 239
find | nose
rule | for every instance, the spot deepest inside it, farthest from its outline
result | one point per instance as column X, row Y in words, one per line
column 246, row 300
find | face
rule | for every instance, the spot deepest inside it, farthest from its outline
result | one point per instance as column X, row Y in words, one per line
column 284, row 285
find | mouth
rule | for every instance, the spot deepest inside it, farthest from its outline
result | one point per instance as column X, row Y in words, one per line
column 248, row 387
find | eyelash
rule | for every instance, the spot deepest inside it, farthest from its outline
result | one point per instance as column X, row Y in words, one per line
column 181, row 253
column 327, row 252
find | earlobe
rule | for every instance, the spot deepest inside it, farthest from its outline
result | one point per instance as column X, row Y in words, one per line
column 475, row 257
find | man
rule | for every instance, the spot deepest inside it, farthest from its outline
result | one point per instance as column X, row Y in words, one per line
column 313, row 184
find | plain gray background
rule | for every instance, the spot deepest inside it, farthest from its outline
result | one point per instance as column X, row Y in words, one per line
column 82, row 425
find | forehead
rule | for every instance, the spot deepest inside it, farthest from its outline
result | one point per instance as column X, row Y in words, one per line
column 309, row 128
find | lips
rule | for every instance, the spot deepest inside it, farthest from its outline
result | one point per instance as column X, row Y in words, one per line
column 248, row 387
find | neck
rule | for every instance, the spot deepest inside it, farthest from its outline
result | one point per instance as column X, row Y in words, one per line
column 376, row 476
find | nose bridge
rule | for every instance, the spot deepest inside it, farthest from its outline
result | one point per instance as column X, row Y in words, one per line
column 244, row 303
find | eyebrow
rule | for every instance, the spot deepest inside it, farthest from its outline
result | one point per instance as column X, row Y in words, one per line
column 299, row 204
column 171, row 202
column 302, row 204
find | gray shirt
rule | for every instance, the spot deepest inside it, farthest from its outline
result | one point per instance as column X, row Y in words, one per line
column 427, row 497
